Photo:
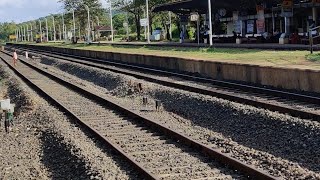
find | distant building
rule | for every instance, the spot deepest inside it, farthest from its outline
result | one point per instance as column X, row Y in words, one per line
column 266, row 19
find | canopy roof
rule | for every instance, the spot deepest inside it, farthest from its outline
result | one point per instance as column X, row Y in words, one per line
column 202, row 5
column 102, row 28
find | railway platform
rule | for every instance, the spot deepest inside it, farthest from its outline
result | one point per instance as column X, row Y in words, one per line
column 292, row 78
column 270, row 46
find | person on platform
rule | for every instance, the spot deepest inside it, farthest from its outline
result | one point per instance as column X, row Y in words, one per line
column 276, row 36
column 181, row 36
column 295, row 38
column 277, row 32
column 15, row 58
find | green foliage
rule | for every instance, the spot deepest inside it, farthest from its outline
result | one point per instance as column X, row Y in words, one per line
column 118, row 20
column 314, row 57
column 137, row 8
column 175, row 32
column 191, row 32
column 7, row 29
column 95, row 7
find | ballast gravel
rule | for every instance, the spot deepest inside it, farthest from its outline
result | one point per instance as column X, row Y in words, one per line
column 279, row 144
column 46, row 144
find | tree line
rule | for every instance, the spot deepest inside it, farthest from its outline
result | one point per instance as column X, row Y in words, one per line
column 123, row 10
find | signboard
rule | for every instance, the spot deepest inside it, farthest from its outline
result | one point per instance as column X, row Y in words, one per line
column 125, row 24
column 260, row 26
column 11, row 37
column 260, row 12
column 144, row 22
column 194, row 17
column 5, row 104
column 237, row 26
column 286, row 12
column 250, row 26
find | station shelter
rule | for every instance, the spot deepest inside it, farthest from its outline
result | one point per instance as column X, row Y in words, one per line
column 261, row 21
column 103, row 33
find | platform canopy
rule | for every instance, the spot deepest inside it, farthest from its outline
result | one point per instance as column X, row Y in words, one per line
column 202, row 5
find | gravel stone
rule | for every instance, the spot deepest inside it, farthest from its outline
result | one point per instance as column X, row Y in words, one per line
column 278, row 143
column 45, row 144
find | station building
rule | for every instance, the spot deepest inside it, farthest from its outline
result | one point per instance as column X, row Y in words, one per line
column 261, row 21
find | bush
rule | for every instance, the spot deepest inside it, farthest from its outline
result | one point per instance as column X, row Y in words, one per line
column 313, row 57
column 175, row 33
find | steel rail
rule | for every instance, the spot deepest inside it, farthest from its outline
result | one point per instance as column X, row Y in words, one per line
column 215, row 154
column 209, row 91
column 274, row 92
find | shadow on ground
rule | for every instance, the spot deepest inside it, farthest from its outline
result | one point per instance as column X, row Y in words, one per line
column 60, row 159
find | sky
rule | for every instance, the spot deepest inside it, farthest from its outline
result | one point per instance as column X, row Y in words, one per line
column 25, row 10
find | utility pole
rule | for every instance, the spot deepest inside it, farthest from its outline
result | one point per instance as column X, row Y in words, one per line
column 170, row 26
column 47, row 30
column 210, row 23
column 40, row 31
column 19, row 31
column 93, row 32
column 127, row 26
column 31, row 35
column 148, row 28
column 111, row 20
column 24, row 33
column 88, row 33
column 22, row 38
column 79, row 30
column 63, row 31
column 54, row 29
column 145, row 27
column 74, row 25
column 60, row 33
column 28, row 37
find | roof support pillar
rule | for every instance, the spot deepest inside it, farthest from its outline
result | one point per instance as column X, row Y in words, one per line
column 210, row 23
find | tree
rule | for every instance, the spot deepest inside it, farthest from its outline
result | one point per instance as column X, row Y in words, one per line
column 7, row 29
column 95, row 7
column 133, row 7
column 136, row 8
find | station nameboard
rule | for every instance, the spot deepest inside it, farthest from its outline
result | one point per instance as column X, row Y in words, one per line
column 287, row 3
column 144, row 22
column 194, row 17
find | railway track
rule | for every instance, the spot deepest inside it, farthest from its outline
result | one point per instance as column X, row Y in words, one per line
column 154, row 150
column 298, row 105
